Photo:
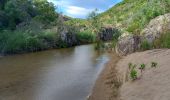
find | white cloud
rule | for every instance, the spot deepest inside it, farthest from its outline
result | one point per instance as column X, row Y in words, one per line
column 71, row 10
column 77, row 11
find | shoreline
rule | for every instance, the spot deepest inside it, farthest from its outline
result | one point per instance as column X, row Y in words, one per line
column 104, row 89
column 152, row 79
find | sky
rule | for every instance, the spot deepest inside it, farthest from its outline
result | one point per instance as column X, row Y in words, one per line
column 81, row 8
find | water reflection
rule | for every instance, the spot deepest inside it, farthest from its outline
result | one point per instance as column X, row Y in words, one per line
column 65, row 74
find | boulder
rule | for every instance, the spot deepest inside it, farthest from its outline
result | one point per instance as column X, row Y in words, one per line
column 69, row 38
column 128, row 44
column 156, row 28
column 107, row 33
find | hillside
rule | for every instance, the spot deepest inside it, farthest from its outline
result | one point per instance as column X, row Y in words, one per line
column 129, row 15
column 38, row 26
column 134, row 15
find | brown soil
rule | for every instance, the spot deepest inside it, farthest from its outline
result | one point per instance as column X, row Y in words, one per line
column 154, row 84
column 104, row 88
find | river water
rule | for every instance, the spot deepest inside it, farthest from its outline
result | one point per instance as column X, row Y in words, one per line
column 63, row 74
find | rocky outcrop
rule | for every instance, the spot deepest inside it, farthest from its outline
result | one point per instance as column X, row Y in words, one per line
column 156, row 28
column 130, row 43
column 107, row 33
column 69, row 38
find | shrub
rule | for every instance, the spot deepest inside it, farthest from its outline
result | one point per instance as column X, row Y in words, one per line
column 154, row 64
column 145, row 45
column 18, row 42
column 165, row 39
column 142, row 67
column 133, row 74
column 130, row 65
column 85, row 37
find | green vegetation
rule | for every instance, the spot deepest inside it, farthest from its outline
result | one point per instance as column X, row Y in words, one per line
column 129, row 15
column 133, row 71
column 145, row 45
column 130, row 65
column 162, row 42
column 134, row 15
column 154, row 64
column 33, row 25
column 85, row 37
column 23, row 25
column 142, row 67
column 133, row 74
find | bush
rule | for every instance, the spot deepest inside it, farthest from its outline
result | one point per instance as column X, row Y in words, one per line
column 163, row 41
column 17, row 42
column 133, row 74
column 85, row 37
column 154, row 64
column 145, row 45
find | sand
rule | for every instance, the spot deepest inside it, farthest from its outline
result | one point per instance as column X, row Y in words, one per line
column 154, row 84
column 104, row 88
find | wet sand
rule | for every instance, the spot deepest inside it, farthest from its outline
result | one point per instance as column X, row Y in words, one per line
column 105, row 87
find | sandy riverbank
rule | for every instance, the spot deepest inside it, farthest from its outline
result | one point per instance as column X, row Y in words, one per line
column 104, row 88
column 153, row 85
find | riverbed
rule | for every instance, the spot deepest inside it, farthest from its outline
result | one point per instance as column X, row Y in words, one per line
column 63, row 74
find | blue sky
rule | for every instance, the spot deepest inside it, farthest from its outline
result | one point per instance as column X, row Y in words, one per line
column 81, row 8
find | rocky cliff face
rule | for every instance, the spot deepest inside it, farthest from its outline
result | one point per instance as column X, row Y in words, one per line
column 69, row 38
column 107, row 33
column 130, row 43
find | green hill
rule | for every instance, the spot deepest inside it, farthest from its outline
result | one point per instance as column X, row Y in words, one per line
column 134, row 15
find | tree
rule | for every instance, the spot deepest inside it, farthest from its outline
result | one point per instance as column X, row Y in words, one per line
column 19, row 11
column 46, row 11
column 95, row 23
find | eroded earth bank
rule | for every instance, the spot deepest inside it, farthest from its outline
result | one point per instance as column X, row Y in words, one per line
column 152, row 85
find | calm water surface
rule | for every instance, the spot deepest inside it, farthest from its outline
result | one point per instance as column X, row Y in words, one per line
column 65, row 74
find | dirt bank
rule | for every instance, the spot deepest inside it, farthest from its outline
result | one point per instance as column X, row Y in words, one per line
column 154, row 84
column 104, row 88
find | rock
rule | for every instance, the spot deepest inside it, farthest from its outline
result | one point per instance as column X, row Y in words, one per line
column 107, row 33
column 69, row 38
column 156, row 28
column 128, row 44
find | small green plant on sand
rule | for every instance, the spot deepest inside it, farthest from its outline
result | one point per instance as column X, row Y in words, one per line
column 133, row 74
column 130, row 65
column 142, row 67
column 154, row 64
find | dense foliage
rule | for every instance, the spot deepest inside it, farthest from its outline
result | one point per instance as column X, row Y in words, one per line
column 33, row 25
column 23, row 24
column 15, row 12
column 134, row 15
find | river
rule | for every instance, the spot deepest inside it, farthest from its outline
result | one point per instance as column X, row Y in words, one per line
column 63, row 74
